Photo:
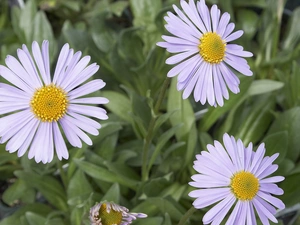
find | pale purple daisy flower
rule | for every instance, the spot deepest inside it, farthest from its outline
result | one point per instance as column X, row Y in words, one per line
column 204, row 57
column 36, row 107
column 109, row 213
column 236, row 175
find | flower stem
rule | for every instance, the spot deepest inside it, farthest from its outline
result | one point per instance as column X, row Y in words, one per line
column 149, row 135
column 187, row 215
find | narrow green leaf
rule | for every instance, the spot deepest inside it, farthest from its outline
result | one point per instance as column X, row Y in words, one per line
column 113, row 194
column 289, row 121
column 35, row 219
column 119, row 104
column 277, row 143
column 50, row 188
column 264, row 86
column 104, row 174
column 183, row 111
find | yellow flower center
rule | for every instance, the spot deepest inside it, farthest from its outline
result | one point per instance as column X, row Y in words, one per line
column 109, row 218
column 244, row 185
column 212, row 48
column 49, row 103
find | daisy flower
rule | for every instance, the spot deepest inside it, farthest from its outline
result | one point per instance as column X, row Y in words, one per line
column 36, row 107
column 236, row 176
column 109, row 213
column 204, row 56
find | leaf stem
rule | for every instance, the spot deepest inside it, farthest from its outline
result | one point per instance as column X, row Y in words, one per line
column 187, row 215
column 148, row 138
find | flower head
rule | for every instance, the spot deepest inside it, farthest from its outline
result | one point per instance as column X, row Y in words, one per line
column 203, row 53
column 109, row 213
column 36, row 107
column 238, row 175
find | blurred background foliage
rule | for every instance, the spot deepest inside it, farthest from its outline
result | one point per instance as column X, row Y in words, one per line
column 121, row 37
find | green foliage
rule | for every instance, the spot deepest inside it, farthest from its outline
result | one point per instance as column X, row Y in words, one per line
column 121, row 37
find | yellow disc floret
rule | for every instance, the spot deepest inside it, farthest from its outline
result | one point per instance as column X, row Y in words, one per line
column 244, row 185
column 112, row 217
column 49, row 103
column 212, row 48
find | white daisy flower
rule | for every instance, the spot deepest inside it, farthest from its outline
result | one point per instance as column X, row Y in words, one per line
column 204, row 57
column 109, row 213
column 236, row 176
column 34, row 106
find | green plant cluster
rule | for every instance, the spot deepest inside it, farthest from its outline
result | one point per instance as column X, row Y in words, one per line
column 121, row 37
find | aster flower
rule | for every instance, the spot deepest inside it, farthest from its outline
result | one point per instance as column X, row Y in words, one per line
column 236, row 175
column 109, row 213
column 204, row 56
column 36, row 107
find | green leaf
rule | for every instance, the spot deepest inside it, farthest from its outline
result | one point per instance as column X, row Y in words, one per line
column 42, row 30
column 113, row 194
column 289, row 121
column 118, row 7
column 149, row 221
column 264, row 86
column 38, row 208
column 35, row 219
column 249, row 20
column 144, row 12
column 257, row 121
column 291, row 190
column 166, row 205
column 293, row 33
column 103, row 174
column 76, row 216
column 28, row 14
column 119, row 104
column 277, row 143
column 162, row 140
column 50, row 188
column 78, row 185
column 183, row 111
column 167, row 220
column 191, row 144
column 14, row 192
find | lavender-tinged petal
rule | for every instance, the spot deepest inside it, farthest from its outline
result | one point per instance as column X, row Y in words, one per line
column 271, row 169
column 92, row 111
column 61, row 62
column 179, row 57
column 28, row 64
column 234, row 36
column 234, row 213
column 19, row 138
column 83, row 76
column 264, row 210
column 223, row 24
column 59, row 143
column 14, row 65
column 28, row 140
column 69, row 65
column 228, row 30
column 86, row 89
column 204, row 14
column 217, row 213
column 73, row 74
column 10, row 76
column 37, row 54
column 70, row 134
column 85, row 119
column 269, row 198
column 90, row 100
column 81, row 125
